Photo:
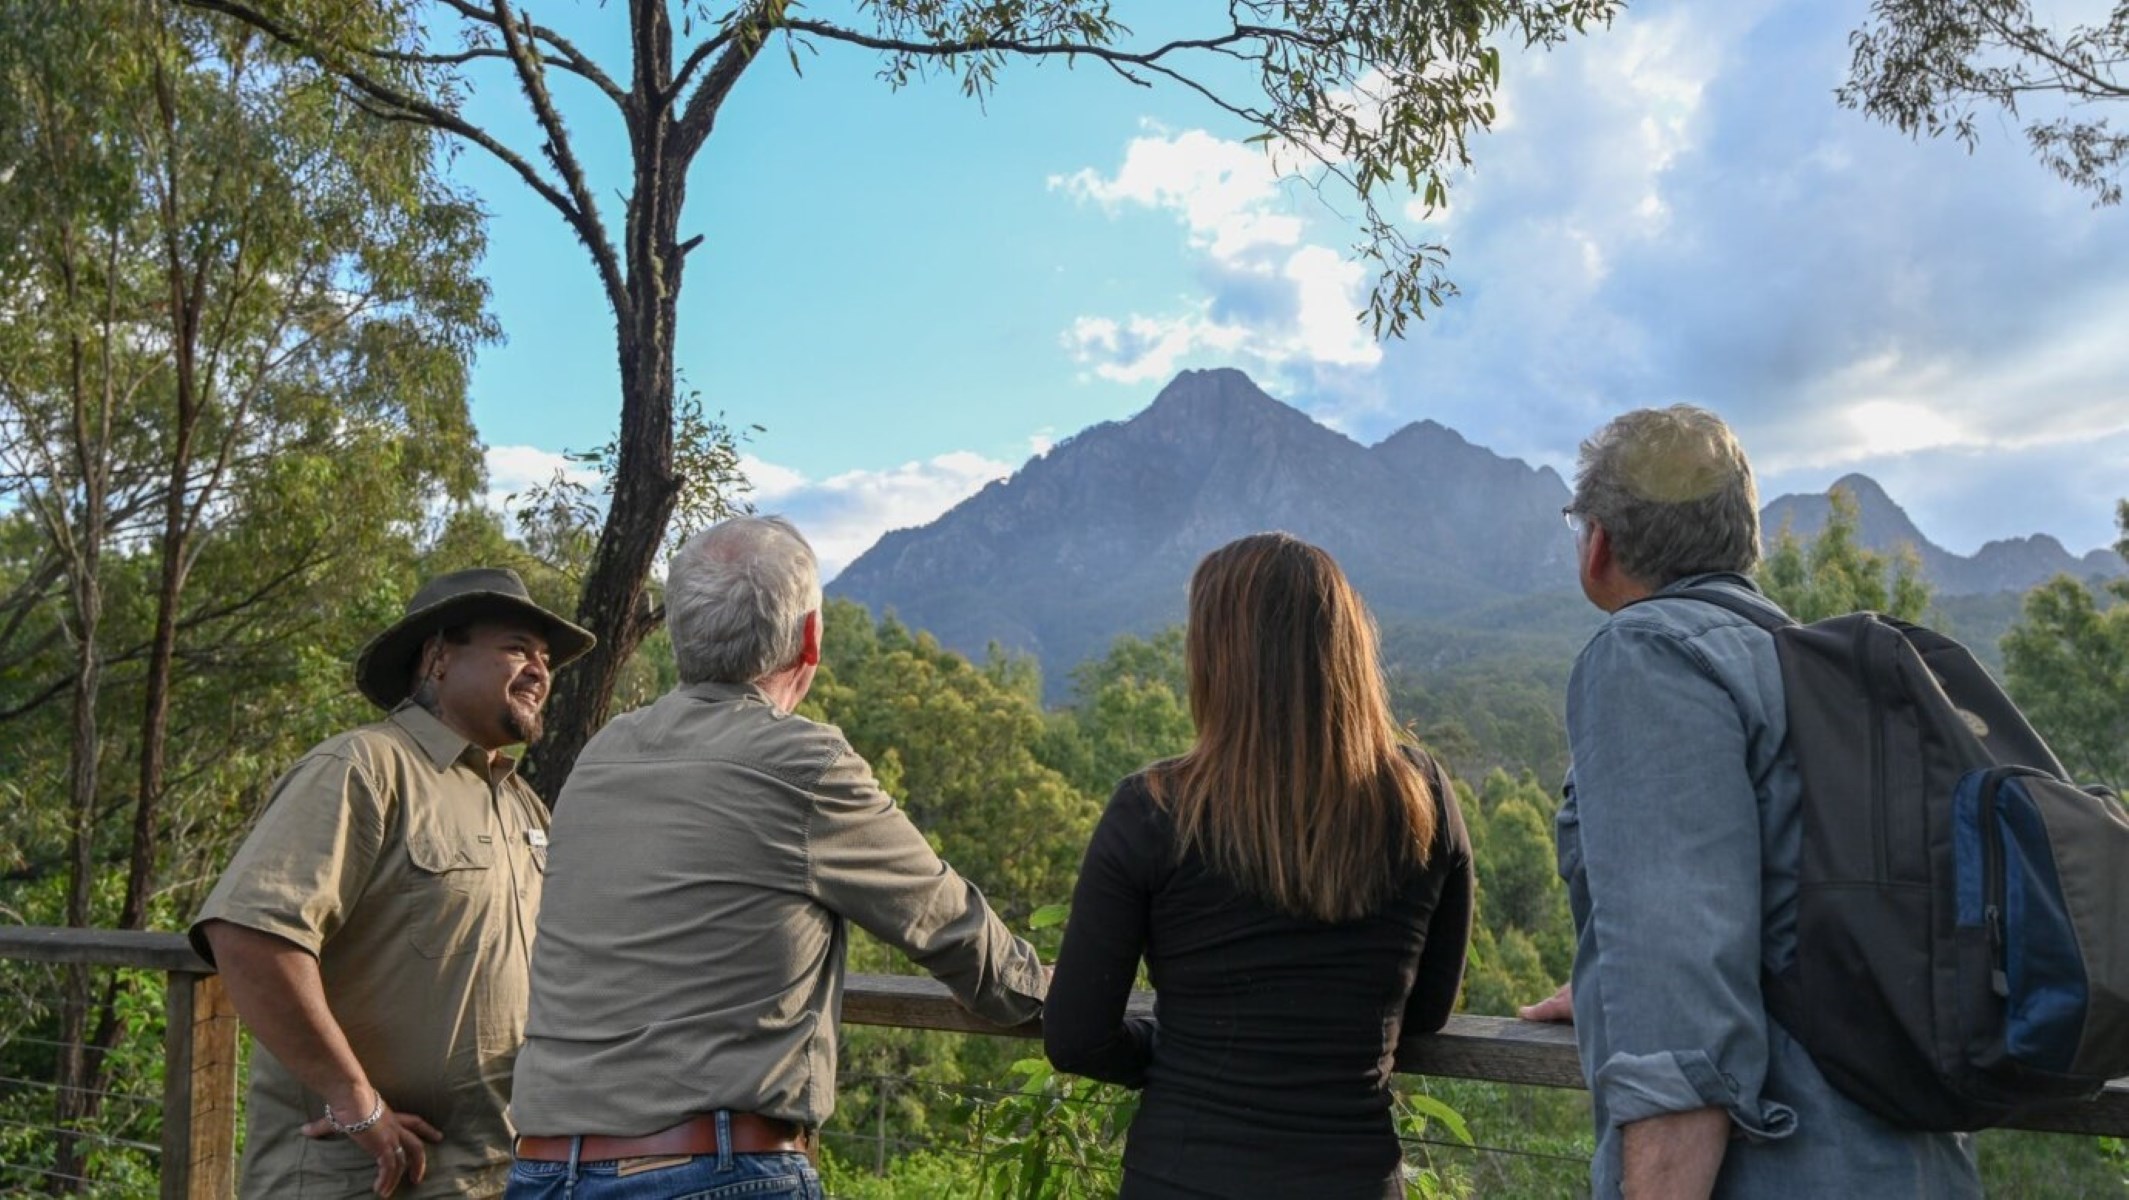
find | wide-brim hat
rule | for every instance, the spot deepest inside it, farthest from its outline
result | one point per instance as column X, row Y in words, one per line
column 385, row 670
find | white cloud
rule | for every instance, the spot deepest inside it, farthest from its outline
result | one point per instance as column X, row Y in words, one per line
column 514, row 469
column 1143, row 349
column 1902, row 427
column 1680, row 211
column 1330, row 292
column 771, row 482
column 1223, row 190
column 1593, row 142
column 843, row 515
column 2063, row 386
column 1683, row 213
column 1275, row 298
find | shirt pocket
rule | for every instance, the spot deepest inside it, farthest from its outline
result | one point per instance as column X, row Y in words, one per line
column 450, row 889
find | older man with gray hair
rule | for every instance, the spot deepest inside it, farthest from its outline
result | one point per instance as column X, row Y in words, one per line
column 1680, row 841
column 707, row 851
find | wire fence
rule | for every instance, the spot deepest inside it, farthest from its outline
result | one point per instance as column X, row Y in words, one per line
column 98, row 1132
column 1496, row 1113
column 105, row 1142
column 993, row 1124
column 101, row 1137
column 115, row 1151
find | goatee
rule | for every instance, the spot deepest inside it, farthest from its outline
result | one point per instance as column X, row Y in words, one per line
column 522, row 727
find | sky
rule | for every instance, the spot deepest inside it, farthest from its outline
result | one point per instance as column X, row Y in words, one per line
column 910, row 293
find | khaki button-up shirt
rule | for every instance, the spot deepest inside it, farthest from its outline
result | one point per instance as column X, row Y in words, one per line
column 413, row 870
column 707, row 851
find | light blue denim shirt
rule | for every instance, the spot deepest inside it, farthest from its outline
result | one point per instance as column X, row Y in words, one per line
column 1679, row 840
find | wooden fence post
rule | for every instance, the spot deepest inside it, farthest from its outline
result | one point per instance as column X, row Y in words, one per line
column 199, row 1089
column 879, row 1130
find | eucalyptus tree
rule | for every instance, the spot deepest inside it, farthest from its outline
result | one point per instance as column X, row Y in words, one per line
column 1834, row 573
column 1935, row 66
column 1375, row 99
column 2068, row 663
column 237, row 321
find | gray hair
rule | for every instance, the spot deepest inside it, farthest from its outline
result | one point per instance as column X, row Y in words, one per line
column 736, row 599
column 1673, row 490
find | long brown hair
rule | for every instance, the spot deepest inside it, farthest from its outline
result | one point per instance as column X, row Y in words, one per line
column 1296, row 786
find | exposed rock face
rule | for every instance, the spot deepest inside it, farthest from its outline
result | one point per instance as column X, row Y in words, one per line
column 2010, row 565
column 1098, row 537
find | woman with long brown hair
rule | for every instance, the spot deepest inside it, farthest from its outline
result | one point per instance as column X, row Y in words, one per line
column 1299, row 886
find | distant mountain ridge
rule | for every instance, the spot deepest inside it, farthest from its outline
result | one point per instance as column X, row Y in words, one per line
column 2011, row 564
column 1098, row 536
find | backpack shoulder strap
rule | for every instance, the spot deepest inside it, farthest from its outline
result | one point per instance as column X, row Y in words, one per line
column 1730, row 601
column 1782, row 993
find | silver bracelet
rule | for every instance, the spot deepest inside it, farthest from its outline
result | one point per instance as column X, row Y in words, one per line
column 376, row 1115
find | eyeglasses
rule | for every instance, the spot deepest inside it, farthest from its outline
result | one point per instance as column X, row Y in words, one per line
column 1576, row 522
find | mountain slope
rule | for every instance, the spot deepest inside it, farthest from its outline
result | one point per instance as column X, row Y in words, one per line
column 2012, row 564
column 1098, row 537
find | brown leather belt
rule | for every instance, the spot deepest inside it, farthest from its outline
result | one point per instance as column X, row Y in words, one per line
column 751, row 1134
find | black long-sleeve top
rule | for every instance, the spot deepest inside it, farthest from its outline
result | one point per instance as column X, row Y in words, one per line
column 1267, row 1065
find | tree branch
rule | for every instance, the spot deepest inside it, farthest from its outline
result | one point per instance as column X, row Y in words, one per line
column 28, row 596
column 566, row 55
column 199, row 618
column 1238, row 35
column 49, row 694
column 744, row 41
column 384, row 100
column 1128, row 71
column 700, row 115
column 559, row 152
column 696, row 58
column 2087, row 86
column 473, row 54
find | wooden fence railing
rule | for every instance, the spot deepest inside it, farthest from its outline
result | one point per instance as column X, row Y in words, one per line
column 200, row 1046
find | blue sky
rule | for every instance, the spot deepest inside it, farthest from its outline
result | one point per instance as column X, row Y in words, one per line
column 912, row 293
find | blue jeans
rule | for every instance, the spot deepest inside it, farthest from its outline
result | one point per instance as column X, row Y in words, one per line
column 703, row 1177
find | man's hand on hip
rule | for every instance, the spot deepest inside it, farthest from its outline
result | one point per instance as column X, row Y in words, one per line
column 395, row 1142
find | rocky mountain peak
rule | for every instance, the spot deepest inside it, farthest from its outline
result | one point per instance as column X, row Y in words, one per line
column 1424, row 435
column 1098, row 537
column 1863, row 488
column 1223, row 396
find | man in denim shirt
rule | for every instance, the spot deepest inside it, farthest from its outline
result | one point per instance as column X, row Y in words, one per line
column 1680, row 842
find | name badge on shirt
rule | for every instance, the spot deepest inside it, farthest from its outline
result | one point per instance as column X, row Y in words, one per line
column 537, row 839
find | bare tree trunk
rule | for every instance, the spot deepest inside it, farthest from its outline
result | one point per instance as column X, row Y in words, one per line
column 83, row 532
column 614, row 603
column 73, row 1099
column 186, row 289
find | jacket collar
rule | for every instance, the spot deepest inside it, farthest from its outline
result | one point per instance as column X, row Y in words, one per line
column 1732, row 578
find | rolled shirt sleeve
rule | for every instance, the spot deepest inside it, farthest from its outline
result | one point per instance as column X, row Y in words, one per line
column 1660, row 845
column 867, row 861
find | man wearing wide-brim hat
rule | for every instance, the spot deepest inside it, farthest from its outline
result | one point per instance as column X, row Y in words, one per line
column 374, row 930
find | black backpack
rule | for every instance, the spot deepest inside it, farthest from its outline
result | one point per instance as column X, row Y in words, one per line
column 1962, row 909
